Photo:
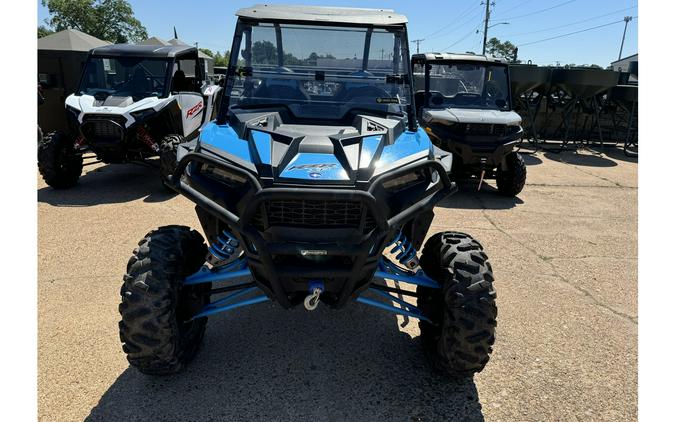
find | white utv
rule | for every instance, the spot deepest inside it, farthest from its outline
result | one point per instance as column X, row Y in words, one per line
column 133, row 102
column 464, row 104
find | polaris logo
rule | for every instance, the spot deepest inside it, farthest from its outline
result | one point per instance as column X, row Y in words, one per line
column 315, row 167
column 313, row 252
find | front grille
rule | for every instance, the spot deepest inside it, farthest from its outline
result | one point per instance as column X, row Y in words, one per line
column 482, row 129
column 103, row 127
column 314, row 213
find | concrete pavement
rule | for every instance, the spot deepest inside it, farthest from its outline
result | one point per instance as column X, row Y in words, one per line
column 565, row 259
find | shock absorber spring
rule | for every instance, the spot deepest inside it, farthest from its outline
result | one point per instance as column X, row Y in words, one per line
column 222, row 248
column 406, row 254
column 144, row 136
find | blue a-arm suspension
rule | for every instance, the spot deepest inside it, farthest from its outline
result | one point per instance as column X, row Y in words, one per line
column 406, row 254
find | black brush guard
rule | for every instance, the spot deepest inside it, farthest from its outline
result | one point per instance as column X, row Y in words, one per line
column 361, row 252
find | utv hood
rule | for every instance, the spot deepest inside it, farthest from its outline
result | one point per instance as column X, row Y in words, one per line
column 315, row 154
column 462, row 115
column 113, row 105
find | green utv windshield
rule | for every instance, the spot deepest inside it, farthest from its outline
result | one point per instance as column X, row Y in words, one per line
column 124, row 77
column 465, row 85
column 319, row 71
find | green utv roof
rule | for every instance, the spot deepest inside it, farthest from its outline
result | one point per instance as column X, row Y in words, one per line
column 458, row 57
column 316, row 14
column 136, row 50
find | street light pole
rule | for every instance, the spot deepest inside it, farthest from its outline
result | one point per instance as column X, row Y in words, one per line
column 625, row 19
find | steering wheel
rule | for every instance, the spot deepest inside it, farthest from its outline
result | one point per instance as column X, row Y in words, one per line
column 436, row 98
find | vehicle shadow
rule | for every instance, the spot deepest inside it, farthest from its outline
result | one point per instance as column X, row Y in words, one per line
column 109, row 184
column 468, row 197
column 574, row 158
column 531, row 159
column 265, row 363
column 616, row 153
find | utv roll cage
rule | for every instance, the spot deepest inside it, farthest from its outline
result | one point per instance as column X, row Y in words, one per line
column 425, row 59
column 317, row 16
column 174, row 54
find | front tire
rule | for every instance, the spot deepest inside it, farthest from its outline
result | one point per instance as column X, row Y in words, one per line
column 510, row 182
column 463, row 310
column 156, row 332
column 59, row 164
column 167, row 157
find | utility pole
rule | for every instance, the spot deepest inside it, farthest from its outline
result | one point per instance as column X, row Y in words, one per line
column 487, row 21
column 625, row 19
column 418, row 44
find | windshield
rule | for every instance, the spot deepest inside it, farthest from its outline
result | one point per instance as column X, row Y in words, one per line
column 465, row 85
column 319, row 71
column 124, row 77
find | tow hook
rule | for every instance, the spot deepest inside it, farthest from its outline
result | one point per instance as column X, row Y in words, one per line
column 483, row 161
column 312, row 299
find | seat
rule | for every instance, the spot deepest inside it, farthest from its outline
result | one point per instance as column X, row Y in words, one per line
column 179, row 82
column 140, row 83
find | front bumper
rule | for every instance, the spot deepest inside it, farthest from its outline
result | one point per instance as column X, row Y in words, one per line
column 284, row 260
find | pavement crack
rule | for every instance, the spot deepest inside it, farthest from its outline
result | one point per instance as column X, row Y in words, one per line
column 547, row 260
column 615, row 184
column 80, row 277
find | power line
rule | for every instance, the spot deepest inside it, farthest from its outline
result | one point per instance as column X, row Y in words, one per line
column 516, row 6
column 461, row 39
column 454, row 22
column 571, row 33
column 569, row 24
column 457, row 24
column 418, row 41
column 537, row 11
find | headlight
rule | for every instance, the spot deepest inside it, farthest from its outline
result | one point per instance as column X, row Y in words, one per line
column 405, row 181
column 72, row 110
column 142, row 114
column 221, row 175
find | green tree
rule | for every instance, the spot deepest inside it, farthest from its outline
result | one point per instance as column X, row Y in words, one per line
column 220, row 59
column 263, row 52
column 504, row 49
column 43, row 31
column 207, row 52
column 110, row 20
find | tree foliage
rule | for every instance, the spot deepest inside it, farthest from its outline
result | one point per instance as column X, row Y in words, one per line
column 110, row 20
column 265, row 52
column 43, row 31
column 504, row 49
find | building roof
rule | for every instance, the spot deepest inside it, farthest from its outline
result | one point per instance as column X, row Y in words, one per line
column 634, row 56
column 458, row 57
column 173, row 41
column 154, row 41
column 158, row 51
column 70, row 40
column 322, row 14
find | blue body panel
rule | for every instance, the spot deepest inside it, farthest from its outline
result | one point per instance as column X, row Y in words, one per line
column 373, row 154
column 225, row 138
column 299, row 168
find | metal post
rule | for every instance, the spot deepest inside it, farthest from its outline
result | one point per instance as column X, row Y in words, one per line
column 418, row 41
column 623, row 38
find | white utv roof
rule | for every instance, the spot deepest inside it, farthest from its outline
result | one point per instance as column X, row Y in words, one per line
column 459, row 57
column 323, row 14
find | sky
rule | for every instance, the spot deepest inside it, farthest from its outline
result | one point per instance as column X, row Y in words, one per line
column 447, row 26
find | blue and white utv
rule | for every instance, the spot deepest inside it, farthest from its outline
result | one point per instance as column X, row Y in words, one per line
column 313, row 185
